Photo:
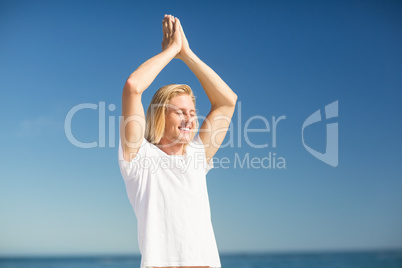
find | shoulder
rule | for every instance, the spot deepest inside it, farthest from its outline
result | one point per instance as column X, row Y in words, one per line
column 143, row 150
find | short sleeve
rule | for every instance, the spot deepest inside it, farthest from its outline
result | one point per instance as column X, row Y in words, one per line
column 131, row 170
column 199, row 147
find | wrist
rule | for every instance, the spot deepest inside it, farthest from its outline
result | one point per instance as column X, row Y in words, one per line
column 172, row 51
column 186, row 55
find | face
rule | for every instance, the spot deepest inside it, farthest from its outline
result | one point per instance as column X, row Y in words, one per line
column 180, row 119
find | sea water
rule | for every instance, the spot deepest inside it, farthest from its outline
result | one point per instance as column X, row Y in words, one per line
column 378, row 259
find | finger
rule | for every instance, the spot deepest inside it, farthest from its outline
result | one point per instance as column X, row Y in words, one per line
column 181, row 29
column 170, row 26
column 172, row 19
column 182, row 33
column 165, row 28
column 165, row 22
column 169, row 18
column 177, row 25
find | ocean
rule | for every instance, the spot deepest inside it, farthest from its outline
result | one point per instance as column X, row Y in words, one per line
column 377, row 259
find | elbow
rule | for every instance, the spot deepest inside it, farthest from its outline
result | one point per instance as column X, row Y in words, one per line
column 229, row 100
column 233, row 99
column 131, row 86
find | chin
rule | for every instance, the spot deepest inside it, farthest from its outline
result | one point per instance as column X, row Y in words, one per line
column 181, row 139
column 185, row 138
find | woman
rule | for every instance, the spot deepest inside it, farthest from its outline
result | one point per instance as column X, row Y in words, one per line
column 164, row 166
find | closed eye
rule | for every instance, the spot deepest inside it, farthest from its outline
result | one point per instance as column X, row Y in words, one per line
column 192, row 114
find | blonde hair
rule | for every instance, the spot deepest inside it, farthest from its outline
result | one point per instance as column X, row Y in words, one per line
column 155, row 117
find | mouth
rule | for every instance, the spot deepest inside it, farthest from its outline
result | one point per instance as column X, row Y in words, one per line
column 185, row 129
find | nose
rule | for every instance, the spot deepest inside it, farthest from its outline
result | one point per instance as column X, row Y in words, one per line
column 186, row 120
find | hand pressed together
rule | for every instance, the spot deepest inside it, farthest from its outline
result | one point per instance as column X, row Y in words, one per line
column 173, row 36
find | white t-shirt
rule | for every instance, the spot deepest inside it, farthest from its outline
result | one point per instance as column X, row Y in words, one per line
column 169, row 196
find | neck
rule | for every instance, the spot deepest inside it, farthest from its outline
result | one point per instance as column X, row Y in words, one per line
column 172, row 149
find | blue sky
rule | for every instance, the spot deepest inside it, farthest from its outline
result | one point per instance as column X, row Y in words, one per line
column 282, row 58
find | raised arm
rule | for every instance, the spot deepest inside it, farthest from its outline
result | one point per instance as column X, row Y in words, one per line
column 132, row 126
column 222, row 98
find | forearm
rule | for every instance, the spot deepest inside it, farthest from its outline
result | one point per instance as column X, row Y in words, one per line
column 146, row 73
column 218, row 92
